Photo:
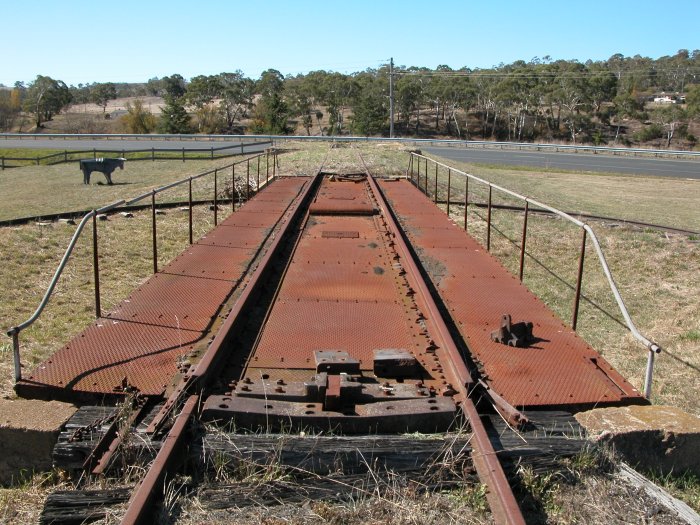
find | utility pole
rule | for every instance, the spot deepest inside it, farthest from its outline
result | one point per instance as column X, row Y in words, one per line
column 391, row 98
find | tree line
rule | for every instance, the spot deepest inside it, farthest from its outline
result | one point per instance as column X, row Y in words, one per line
column 540, row 100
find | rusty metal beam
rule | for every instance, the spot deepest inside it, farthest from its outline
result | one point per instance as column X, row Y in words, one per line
column 152, row 486
column 500, row 496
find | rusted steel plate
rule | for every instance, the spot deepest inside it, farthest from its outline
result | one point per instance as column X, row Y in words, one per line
column 139, row 343
column 342, row 198
column 251, row 219
column 297, row 328
column 339, row 282
column 413, row 415
column 110, row 355
column 242, row 237
column 559, row 369
column 364, row 226
column 341, row 251
column 210, row 262
column 189, row 304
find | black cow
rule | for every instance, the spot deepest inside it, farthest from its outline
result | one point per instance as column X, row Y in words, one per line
column 106, row 166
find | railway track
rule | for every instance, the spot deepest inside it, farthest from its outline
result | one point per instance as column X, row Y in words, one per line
column 334, row 362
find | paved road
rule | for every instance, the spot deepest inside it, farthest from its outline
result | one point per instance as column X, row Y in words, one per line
column 126, row 144
column 686, row 169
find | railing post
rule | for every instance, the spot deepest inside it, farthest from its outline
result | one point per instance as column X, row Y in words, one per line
column 274, row 164
column 216, row 201
column 233, row 187
column 579, row 279
column 449, row 177
column 15, row 351
column 426, row 176
column 522, row 243
column 94, row 153
column 418, row 174
column 247, row 180
column 96, row 267
column 257, row 187
column 410, row 166
column 649, row 373
column 190, row 207
column 267, row 167
column 466, row 201
column 153, row 229
column 488, row 223
column 183, row 154
column 436, row 182
column 212, row 153
column 65, row 156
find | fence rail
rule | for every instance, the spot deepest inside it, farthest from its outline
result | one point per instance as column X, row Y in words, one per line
column 171, row 154
column 416, row 175
column 252, row 179
column 312, row 138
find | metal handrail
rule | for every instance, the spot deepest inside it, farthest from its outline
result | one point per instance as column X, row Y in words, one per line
column 93, row 151
column 14, row 331
column 650, row 345
column 341, row 138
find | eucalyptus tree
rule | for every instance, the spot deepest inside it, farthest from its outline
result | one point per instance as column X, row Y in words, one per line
column 370, row 103
column 201, row 93
column 46, row 97
column 101, row 94
column 410, row 94
column 237, row 93
column 271, row 111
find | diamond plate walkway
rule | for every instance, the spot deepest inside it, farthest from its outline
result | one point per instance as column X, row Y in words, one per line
column 560, row 369
column 138, row 344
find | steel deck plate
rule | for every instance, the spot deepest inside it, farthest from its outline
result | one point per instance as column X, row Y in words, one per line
column 210, row 262
column 234, row 237
column 559, row 369
column 295, row 329
column 139, row 343
column 189, row 309
column 339, row 282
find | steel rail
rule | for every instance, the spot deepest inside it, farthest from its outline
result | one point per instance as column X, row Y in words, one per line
column 14, row 331
column 151, row 487
column 652, row 347
column 500, row 496
column 153, row 484
column 198, row 376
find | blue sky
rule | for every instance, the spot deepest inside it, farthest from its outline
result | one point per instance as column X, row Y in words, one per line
column 131, row 41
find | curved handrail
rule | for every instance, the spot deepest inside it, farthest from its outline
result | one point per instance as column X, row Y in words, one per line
column 15, row 330
column 650, row 345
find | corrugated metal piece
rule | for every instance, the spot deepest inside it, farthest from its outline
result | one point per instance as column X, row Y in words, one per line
column 139, row 343
column 559, row 369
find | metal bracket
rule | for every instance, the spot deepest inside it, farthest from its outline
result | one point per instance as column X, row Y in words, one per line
column 518, row 334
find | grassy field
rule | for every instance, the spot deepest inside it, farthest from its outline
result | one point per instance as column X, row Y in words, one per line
column 658, row 274
column 35, row 190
